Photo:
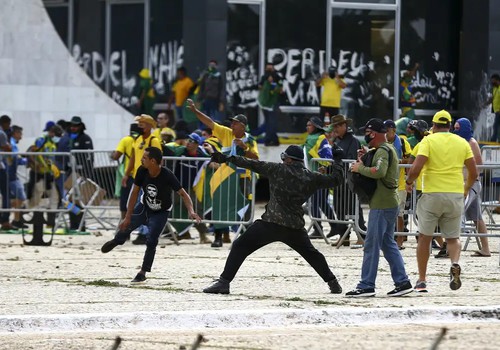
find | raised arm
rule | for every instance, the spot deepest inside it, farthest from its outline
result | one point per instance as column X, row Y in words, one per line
column 202, row 117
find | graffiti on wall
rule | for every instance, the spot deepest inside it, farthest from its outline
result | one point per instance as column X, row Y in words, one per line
column 242, row 77
column 163, row 61
column 369, row 83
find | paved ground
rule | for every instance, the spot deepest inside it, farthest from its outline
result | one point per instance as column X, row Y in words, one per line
column 70, row 296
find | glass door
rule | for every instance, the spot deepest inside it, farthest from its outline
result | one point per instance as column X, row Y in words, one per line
column 245, row 56
column 363, row 45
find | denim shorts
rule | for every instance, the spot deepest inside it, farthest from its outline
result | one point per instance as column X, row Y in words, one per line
column 16, row 190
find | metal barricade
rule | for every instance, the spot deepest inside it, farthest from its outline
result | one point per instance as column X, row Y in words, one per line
column 97, row 183
column 222, row 195
column 31, row 184
column 326, row 208
column 337, row 206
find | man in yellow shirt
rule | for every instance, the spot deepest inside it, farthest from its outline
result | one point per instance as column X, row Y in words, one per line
column 235, row 141
column 124, row 148
column 162, row 126
column 332, row 84
column 495, row 104
column 441, row 158
column 180, row 91
column 145, row 140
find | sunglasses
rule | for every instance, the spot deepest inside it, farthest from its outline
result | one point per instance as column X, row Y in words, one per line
column 192, row 141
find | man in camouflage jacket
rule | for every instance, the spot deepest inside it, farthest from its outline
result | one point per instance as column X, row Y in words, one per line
column 290, row 185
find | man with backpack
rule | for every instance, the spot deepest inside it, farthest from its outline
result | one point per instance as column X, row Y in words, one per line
column 383, row 214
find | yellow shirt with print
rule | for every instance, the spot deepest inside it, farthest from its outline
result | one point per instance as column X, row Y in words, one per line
column 157, row 132
column 226, row 137
column 140, row 145
column 402, row 170
column 496, row 99
column 331, row 92
column 125, row 147
column 181, row 89
column 446, row 154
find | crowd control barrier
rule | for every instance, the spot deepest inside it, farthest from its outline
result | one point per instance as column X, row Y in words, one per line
column 222, row 194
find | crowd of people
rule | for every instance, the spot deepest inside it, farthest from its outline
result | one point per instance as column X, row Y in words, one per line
column 47, row 173
column 437, row 156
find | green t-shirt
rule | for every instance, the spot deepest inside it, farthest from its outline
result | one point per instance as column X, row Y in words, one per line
column 386, row 194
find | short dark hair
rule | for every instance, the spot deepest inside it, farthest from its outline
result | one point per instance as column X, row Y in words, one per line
column 443, row 125
column 183, row 70
column 495, row 76
column 5, row 119
column 154, row 153
column 16, row 128
column 208, row 131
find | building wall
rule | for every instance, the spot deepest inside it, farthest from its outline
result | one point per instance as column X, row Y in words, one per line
column 41, row 81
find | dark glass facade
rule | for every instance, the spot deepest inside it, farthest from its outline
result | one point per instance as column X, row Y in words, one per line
column 362, row 50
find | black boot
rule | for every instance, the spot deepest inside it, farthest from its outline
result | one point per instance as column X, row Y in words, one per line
column 217, row 243
column 334, row 285
column 220, row 286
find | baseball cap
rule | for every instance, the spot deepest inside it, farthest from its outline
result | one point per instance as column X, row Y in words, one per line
column 195, row 137
column 376, row 125
column 294, row 152
column 240, row 118
column 49, row 125
column 421, row 125
column 442, row 117
column 389, row 123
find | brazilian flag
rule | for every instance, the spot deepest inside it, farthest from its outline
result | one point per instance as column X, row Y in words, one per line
column 228, row 202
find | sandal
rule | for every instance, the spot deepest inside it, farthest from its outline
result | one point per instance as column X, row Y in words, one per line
column 480, row 254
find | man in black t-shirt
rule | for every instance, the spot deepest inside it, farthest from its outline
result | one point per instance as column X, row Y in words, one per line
column 152, row 210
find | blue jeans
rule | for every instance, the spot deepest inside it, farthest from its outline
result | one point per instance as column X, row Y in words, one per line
column 179, row 112
column 496, row 125
column 380, row 236
column 211, row 107
column 271, row 121
column 4, row 190
column 155, row 221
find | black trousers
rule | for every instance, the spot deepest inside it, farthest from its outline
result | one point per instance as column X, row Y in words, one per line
column 261, row 233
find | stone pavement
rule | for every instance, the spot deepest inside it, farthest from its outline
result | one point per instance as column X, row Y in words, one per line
column 51, row 295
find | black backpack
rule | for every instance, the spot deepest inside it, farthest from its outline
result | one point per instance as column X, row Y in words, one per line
column 364, row 187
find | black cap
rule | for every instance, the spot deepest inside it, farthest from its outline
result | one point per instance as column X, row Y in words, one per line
column 421, row 125
column 294, row 152
column 374, row 124
column 317, row 122
column 389, row 123
column 240, row 118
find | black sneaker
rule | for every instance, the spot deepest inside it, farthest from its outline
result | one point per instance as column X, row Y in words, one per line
column 19, row 224
column 421, row 287
column 139, row 278
column 108, row 246
column 402, row 289
column 220, row 286
column 217, row 243
column 361, row 293
column 442, row 254
column 140, row 239
column 316, row 234
column 455, row 282
column 334, row 285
